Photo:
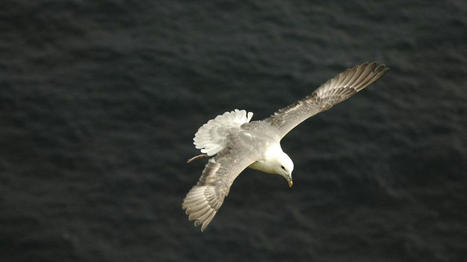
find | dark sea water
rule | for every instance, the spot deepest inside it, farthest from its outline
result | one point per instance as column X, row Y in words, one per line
column 100, row 101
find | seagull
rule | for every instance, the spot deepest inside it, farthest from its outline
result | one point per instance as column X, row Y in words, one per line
column 233, row 143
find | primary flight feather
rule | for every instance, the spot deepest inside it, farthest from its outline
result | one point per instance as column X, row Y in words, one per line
column 233, row 143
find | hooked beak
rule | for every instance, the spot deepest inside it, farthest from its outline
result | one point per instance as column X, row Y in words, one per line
column 289, row 180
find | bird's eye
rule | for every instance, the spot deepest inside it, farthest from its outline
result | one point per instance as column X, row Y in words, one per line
column 283, row 167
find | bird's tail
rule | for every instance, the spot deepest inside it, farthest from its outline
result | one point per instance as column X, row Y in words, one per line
column 211, row 137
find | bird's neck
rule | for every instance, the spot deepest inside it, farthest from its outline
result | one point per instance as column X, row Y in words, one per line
column 270, row 159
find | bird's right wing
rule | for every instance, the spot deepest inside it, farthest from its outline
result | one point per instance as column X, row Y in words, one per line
column 204, row 200
column 334, row 91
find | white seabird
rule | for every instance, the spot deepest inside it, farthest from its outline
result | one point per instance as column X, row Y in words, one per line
column 233, row 143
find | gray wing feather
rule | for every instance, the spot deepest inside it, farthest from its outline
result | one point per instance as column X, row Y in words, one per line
column 204, row 200
column 334, row 91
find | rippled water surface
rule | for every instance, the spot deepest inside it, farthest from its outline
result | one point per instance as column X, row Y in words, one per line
column 100, row 100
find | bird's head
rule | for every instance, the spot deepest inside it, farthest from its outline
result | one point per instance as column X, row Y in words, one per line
column 284, row 167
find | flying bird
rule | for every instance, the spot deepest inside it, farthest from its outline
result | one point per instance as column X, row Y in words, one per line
column 233, row 143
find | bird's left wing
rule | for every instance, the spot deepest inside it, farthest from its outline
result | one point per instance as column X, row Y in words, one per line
column 204, row 200
column 334, row 91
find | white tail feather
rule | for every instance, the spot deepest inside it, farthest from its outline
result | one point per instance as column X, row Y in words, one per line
column 210, row 138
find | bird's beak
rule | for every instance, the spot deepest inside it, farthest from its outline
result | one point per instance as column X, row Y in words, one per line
column 289, row 180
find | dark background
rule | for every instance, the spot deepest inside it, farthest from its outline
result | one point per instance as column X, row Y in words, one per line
column 100, row 100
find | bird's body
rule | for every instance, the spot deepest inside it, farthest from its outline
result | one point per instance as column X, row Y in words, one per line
column 262, row 135
column 234, row 143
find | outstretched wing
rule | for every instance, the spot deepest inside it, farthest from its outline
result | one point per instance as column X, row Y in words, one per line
column 334, row 91
column 204, row 200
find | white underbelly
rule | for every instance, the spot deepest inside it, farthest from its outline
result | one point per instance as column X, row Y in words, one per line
column 262, row 166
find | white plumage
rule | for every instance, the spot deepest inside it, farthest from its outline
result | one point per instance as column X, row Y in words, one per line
column 211, row 137
column 234, row 143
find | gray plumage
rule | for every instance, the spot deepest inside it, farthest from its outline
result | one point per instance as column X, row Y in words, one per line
column 234, row 143
column 334, row 91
